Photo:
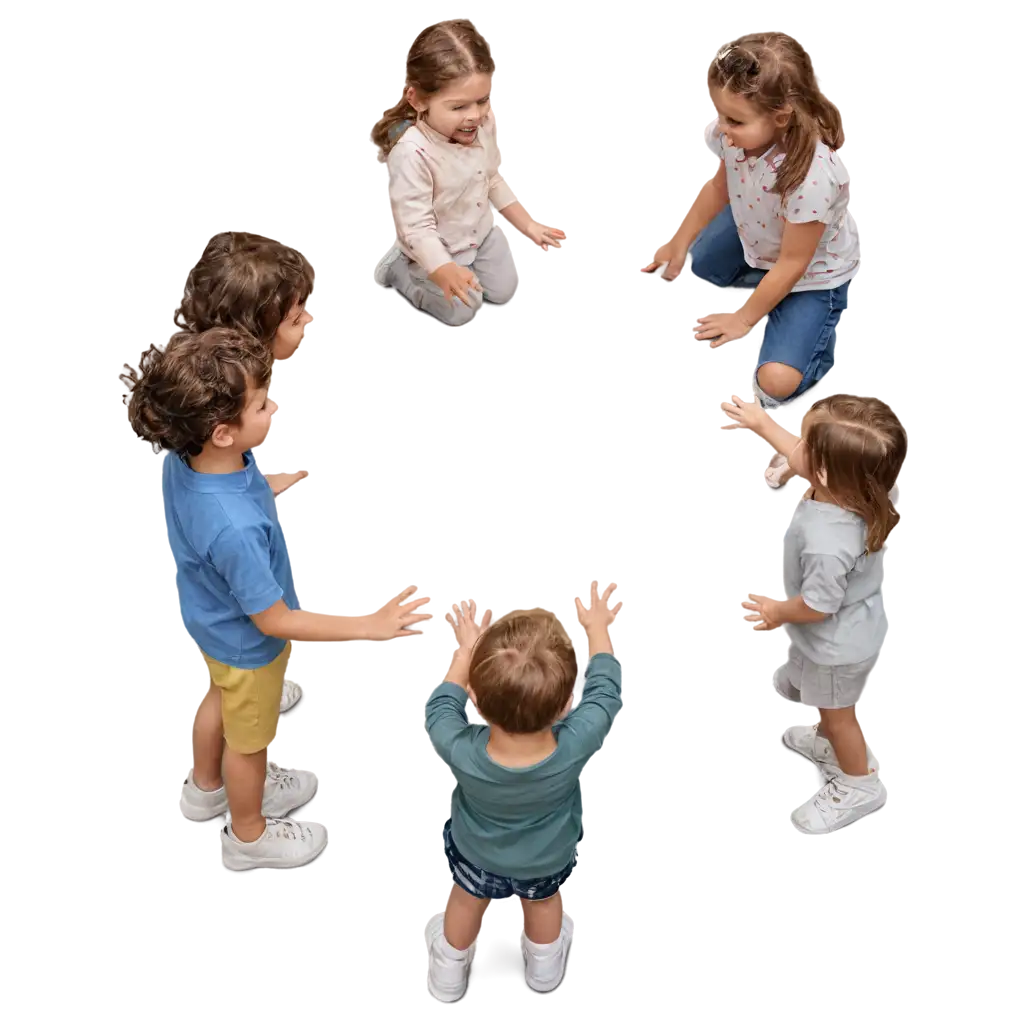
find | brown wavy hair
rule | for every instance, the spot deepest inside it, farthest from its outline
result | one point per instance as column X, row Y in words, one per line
column 441, row 54
column 244, row 281
column 523, row 671
column 773, row 70
column 182, row 392
column 860, row 445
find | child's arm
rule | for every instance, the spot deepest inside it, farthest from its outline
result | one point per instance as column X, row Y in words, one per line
column 504, row 201
column 280, row 482
column 799, row 244
column 242, row 558
column 704, row 204
column 750, row 416
column 823, row 581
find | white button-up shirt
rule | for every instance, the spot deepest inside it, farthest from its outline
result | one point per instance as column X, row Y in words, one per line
column 441, row 192
column 761, row 216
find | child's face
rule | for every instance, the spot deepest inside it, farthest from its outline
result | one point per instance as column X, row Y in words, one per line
column 253, row 426
column 457, row 110
column 744, row 125
column 290, row 333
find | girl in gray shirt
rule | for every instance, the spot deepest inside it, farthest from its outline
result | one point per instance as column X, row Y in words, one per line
column 851, row 450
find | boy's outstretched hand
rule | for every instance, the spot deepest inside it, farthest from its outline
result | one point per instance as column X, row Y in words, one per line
column 466, row 633
column 544, row 236
column 395, row 618
column 280, row 482
column 597, row 618
column 765, row 612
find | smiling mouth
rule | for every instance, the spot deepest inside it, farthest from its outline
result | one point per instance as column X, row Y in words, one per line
column 467, row 131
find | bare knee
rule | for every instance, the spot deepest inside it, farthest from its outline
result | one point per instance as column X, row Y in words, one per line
column 778, row 380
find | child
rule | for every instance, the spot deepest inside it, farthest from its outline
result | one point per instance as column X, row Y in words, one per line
column 516, row 812
column 774, row 218
column 260, row 286
column 204, row 400
column 851, row 451
column 442, row 155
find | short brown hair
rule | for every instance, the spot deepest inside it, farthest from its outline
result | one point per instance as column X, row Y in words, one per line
column 244, row 281
column 773, row 70
column 860, row 446
column 523, row 671
column 442, row 53
column 181, row 393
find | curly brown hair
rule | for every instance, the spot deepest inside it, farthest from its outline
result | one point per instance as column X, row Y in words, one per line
column 773, row 70
column 244, row 281
column 523, row 671
column 859, row 445
column 442, row 53
column 182, row 392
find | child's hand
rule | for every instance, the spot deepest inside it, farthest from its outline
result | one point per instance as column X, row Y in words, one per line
column 672, row 254
column 746, row 415
column 766, row 612
column 720, row 328
column 280, row 482
column 395, row 618
column 469, row 627
column 598, row 615
column 457, row 281
column 543, row 235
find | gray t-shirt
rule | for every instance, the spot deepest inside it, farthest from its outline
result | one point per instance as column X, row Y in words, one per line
column 826, row 562
column 522, row 823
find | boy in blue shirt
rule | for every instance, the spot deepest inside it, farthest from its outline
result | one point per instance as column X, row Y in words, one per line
column 204, row 399
column 517, row 812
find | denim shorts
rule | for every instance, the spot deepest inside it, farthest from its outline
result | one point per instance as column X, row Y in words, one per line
column 801, row 329
column 485, row 886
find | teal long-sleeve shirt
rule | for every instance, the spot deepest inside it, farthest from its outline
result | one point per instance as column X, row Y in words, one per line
column 522, row 823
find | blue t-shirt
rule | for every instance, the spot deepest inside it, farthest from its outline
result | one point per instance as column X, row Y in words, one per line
column 231, row 556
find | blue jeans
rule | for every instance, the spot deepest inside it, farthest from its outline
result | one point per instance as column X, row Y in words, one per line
column 801, row 329
column 486, row 886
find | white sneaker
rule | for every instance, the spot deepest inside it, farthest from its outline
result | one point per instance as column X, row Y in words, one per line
column 841, row 801
column 447, row 975
column 283, row 791
column 545, row 964
column 284, row 844
column 291, row 694
column 380, row 273
column 804, row 739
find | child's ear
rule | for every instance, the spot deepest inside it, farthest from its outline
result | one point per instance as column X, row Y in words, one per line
column 222, row 436
column 472, row 696
column 415, row 101
column 782, row 116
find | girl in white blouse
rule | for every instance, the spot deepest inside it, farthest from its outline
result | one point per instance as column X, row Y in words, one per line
column 442, row 154
column 774, row 218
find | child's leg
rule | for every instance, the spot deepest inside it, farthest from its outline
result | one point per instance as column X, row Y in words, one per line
column 463, row 917
column 717, row 255
column 840, row 727
column 250, row 705
column 495, row 269
column 542, row 919
column 409, row 279
column 799, row 343
column 208, row 742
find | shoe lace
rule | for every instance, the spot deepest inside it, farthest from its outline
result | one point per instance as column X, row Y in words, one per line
column 287, row 828
column 833, row 792
column 281, row 777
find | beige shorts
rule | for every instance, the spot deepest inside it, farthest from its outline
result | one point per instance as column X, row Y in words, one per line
column 250, row 701
column 822, row 686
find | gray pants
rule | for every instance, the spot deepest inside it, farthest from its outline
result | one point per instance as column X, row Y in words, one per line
column 491, row 262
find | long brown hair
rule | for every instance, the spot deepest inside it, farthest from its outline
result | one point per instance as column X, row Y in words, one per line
column 773, row 70
column 441, row 54
column 244, row 281
column 181, row 393
column 523, row 671
column 859, row 445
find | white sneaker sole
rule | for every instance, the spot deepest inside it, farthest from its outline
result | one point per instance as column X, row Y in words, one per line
column 296, row 695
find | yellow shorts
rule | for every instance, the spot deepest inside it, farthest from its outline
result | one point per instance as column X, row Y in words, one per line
column 250, row 701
